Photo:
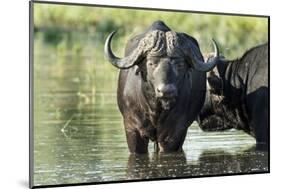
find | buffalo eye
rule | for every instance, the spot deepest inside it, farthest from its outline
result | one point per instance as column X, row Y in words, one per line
column 178, row 62
column 152, row 64
column 179, row 66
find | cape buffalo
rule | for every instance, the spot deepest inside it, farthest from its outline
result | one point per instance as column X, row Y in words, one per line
column 237, row 95
column 161, row 86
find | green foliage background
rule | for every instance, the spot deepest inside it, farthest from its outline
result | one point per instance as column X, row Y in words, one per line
column 83, row 29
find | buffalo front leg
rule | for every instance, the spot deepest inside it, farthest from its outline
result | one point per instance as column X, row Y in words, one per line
column 137, row 143
column 260, row 120
column 261, row 130
column 174, row 143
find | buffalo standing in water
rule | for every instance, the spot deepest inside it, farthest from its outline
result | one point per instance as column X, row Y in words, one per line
column 161, row 86
column 237, row 96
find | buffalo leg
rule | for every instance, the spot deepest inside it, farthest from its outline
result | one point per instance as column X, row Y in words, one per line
column 136, row 142
column 173, row 145
column 261, row 130
column 260, row 119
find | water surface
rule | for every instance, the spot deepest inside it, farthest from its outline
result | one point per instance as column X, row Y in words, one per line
column 79, row 135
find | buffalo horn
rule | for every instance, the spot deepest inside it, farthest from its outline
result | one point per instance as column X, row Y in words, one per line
column 205, row 67
column 121, row 63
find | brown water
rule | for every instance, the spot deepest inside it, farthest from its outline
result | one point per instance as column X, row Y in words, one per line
column 79, row 135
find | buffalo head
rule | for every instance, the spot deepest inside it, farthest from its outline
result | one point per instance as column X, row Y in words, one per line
column 164, row 58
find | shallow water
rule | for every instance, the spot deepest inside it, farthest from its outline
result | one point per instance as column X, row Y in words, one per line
column 79, row 135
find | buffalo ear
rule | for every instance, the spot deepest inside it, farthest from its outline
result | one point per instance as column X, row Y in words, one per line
column 215, row 84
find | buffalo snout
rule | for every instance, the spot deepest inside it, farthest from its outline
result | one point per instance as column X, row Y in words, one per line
column 166, row 91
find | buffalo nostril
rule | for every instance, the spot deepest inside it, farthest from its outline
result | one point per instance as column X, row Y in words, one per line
column 166, row 91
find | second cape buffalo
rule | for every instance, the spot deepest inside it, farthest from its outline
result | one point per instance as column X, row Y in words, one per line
column 237, row 96
column 161, row 86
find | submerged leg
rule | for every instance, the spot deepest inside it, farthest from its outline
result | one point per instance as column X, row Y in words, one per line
column 173, row 144
column 136, row 142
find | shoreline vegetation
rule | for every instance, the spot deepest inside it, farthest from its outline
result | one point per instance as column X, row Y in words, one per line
column 78, row 26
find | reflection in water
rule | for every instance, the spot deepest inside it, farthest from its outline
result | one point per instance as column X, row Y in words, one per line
column 158, row 166
column 79, row 135
column 221, row 162
column 210, row 162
